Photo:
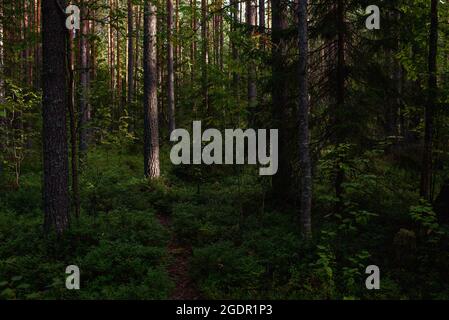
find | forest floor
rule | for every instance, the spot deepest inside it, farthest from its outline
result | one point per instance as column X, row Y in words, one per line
column 211, row 233
column 178, row 269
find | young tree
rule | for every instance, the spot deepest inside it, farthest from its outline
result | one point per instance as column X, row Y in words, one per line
column 151, row 123
column 303, row 113
column 54, row 109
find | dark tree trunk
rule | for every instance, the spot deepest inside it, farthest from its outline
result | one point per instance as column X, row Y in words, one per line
column 304, row 139
column 54, row 110
column 426, row 171
column 151, row 124
column 340, row 99
column 282, row 179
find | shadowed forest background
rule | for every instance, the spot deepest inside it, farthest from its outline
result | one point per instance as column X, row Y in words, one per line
column 85, row 171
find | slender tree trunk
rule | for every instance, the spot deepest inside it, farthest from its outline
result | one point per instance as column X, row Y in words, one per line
column 205, row 55
column 170, row 69
column 137, row 63
column 72, row 117
column 55, row 150
column 234, row 50
column 340, row 100
column 304, row 139
column 2, row 75
column 426, row 171
column 251, row 21
column 130, row 96
column 84, row 110
column 193, row 41
column 151, row 123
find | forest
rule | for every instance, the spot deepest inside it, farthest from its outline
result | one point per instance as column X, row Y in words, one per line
column 323, row 150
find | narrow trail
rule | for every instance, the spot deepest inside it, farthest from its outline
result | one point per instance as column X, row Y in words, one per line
column 185, row 288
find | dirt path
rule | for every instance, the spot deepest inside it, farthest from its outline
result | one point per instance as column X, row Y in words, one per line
column 185, row 288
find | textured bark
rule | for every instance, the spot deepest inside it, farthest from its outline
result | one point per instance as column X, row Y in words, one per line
column 151, row 124
column 54, row 108
column 303, row 113
column 426, row 171
column 170, row 69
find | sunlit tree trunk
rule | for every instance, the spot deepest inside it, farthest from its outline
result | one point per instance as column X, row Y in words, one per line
column 151, row 124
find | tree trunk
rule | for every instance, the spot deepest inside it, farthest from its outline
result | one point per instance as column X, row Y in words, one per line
column 304, row 139
column 72, row 117
column 151, row 124
column 282, row 179
column 130, row 96
column 170, row 69
column 251, row 20
column 262, row 15
column 54, row 108
column 84, row 110
column 2, row 82
column 426, row 171
column 205, row 55
column 340, row 101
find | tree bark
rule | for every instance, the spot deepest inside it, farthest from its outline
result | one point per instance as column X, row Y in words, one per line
column 304, row 138
column 55, row 152
column 151, row 124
